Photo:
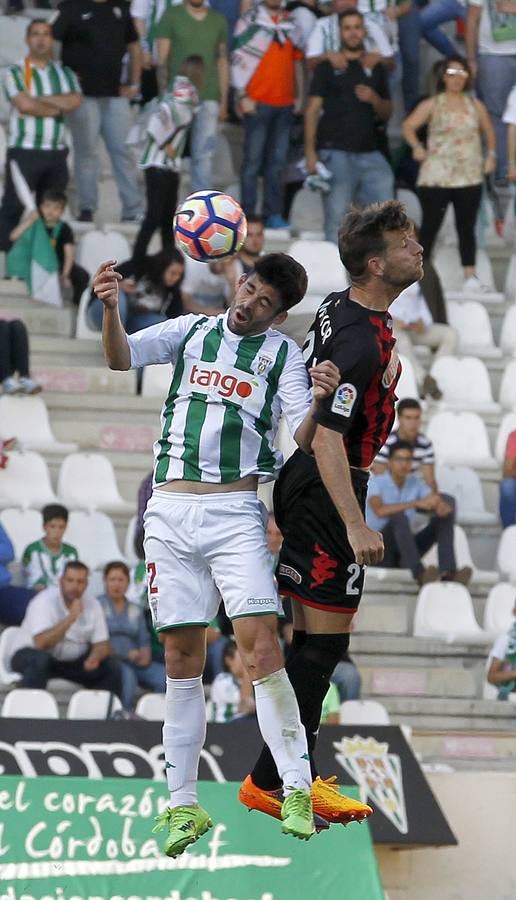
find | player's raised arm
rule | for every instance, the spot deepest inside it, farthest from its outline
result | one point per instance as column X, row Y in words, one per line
column 325, row 381
column 114, row 339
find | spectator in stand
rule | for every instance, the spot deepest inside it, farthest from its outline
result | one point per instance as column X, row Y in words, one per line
column 14, row 359
column 209, row 287
column 232, row 691
column 452, row 164
column 410, row 417
column 95, row 35
column 413, row 326
column 325, row 41
column 509, row 118
column 44, row 560
column 253, row 245
column 13, row 599
column 346, row 679
column 392, row 502
column 409, row 34
column 40, row 91
column 51, row 208
column 508, row 483
column 144, row 495
column 150, row 292
column 330, row 712
column 129, row 636
column 436, row 13
column 267, row 73
column 501, row 670
column 340, row 129
column 192, row 28
column 64, row 635
column 146, row 17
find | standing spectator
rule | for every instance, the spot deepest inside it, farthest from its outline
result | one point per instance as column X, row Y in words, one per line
column 509, row 117
column 508, row 483
column 146, row 16
column 65, row 635
column 231, row 692
column 452, row 165
column 209, row 287
column 267, row 73
column 95, row 36
column 502, row 662
column 13, row 599
column 14, row 359
column 410, row 417
column 409, row 33
column 44, row 560
column 344, row 138
column 192, row 29
column 129, row 636
column 253, row 245
column 325, row 42
column 436, row 13
column 393, row 500
column 40, row 91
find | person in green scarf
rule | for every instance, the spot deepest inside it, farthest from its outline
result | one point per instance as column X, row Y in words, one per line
column 502, row 666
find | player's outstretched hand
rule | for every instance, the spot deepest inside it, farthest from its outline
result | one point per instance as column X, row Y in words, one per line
column 325, row 379
column 105, row 283
column 367, row 545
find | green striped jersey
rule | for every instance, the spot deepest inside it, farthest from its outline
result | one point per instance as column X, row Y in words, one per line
column 41, row 567
column 226, row 398
column 38, row 132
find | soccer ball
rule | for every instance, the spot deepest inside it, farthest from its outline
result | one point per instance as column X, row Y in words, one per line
column 209, row 225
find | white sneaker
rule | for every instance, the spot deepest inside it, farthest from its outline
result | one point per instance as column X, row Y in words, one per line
column 473, row 285
column 27, row 385
column 11, row 385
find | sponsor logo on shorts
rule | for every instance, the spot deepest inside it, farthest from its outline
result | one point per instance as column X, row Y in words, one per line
column 224, row 384
column 289, row 572
column 344, row 399
column 260, row 601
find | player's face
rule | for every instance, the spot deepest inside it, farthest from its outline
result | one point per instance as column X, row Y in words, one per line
column 117, row 583
column 255, row 306
column 73, row 584
column 403, row 259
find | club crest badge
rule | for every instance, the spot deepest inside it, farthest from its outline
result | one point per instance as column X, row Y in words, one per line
column 377, row 773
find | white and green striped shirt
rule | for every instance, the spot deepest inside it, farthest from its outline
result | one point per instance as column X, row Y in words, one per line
column 38, row 132
column 151, row 11
column 225, row 400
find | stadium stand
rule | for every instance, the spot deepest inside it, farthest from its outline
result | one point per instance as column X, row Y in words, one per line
column 445, row 610
column 90, row 704
column 151, row 706
column 363, row 712
column 30, row 703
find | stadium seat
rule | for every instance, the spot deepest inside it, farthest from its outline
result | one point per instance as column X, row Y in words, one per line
column 508, row 386
column 507, row 425
column 30, row 703
column 500, row 603
column 129, row 554
column 462, row 557
column 473, row 326
column 449, row 269
column 23, row 526
column 90, row 704
column 444, row 610
column 87, row 481
column 508, row 331
column 323, row 266
column 363, row 712
column 152, row 707
column 300, row 317
column 82, row 327
column 407, row 385
column 26, row 419
column 510, row 279
column 156, row 380
column 94, row 536
column 13, row 46
column 460, row 439
column 11, row 639
column 465, row 383
column 464, row 484
column 506, row 553
column 25, row 482
column 96, row 246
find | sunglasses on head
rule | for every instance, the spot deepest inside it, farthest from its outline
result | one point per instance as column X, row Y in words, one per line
column 461, row 72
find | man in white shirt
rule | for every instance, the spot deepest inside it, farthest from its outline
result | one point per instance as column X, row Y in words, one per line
column 207, row 288
column 64, row 635
column 324, row 42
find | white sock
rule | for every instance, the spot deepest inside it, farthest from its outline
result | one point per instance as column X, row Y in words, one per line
column 184, row 733
column 281, row 728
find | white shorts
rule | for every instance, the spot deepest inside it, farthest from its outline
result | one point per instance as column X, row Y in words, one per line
column 200, row 548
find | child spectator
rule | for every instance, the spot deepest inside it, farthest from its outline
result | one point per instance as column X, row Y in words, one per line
column 13, row 599
column 44, row 560
column 508, row 483
column 231, row 691
column 14, row 359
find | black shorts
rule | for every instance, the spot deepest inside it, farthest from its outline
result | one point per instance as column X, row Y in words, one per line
column 316, row 564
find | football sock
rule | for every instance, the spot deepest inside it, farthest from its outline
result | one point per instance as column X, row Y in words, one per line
column 184, row 733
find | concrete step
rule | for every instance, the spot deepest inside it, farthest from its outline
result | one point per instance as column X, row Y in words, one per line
column 445, row 714
column 376, row 610
column 405, row 650
column 47, row 350
column 97, row 380
column 40, row 318
column 466, row 749
column 427, row 680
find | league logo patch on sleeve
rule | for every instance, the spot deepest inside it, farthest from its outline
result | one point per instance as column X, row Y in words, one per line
column 344, row 400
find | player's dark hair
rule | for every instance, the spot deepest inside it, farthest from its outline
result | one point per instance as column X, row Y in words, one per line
column 75, row 564
column 350, row 11
column 116, row 564
column 54, row 511
column 53, row 196
column 400, row 445
column 362, row 234
column 408, row 403
column 34, row 22
column 285, row 274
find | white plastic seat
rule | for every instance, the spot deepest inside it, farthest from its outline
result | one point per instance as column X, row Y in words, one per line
column 498, row 611
column 94, row 536
column 26, row 419
column 25, row 482
column 156, row 380
column 444, row 610
column 465, row 383
column 23, row 527
column 462, row 557
column 506, row 553
column 96, row 246
column 87, row 481
column 13, row 46
column 363, row 712
column 323, row 266
column 11, row 640
column 30, row 703
column 82, row 326
column 407, row 385
column 129, row 554
column 460, row 439
column 448, row 265
column 90, row 704
column 508, row 331
column 473, row 326
column 507, row 425
column 508, row 386
column 464, row 484
column 152, row 707
column 301, row 317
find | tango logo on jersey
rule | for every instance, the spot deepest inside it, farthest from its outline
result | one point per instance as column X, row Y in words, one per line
column 392, row 369
column 225, row 385
column 323, row 567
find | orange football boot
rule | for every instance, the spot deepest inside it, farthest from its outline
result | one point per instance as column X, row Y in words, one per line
column 335, row 807
column 269, row 802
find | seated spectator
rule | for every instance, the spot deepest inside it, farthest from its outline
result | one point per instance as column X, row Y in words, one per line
column 508, row 483
column 330, row 712
column 14, row 359
column 209, row 287
column 232, row 691
column 129, row 636
column 413, row 326
column 253, row 245
column 64, row 635
column 502, row 662
column 61, row 243
column 346, row 679
column 45, row 559
column 410, row 415
column 150, row 293
column 392, row 503
column 13, row 599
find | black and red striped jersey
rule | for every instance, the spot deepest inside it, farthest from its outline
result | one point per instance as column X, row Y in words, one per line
column 361, row 344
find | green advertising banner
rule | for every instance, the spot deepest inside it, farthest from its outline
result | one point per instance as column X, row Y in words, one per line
column 82, row 839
